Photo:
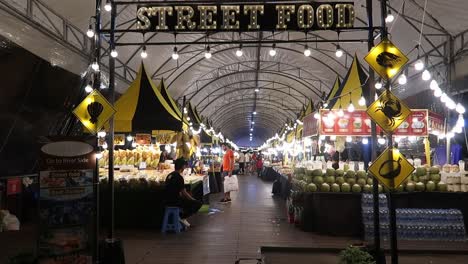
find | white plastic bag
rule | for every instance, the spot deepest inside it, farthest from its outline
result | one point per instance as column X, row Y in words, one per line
column 231, row 184
column 10, row 222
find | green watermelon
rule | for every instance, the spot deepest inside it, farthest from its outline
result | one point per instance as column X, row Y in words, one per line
column 299, row 176
column 309, row 173
column 361, row 174
column 318, row 180
column 361, row 182
column 330, row 172
column 340, row 180
column 346, row 167
column 430, row 186
column 400, row 188
column 350, row 174
column 317, row 172
column 380, row 188
column 345, row 187
column 370, row 181
column 311, row 187
column 442, row 187
column 335, row 187
column 415, row 178
column 368, row 188
column 330, row 180
column 351, row 181
column 434, row 170
column 410, row 187
column 356, row 188
column 420, row 187
column 308, row 179
column 421, row 171
column 339, row 173
column 325, row 187
column 435, row 177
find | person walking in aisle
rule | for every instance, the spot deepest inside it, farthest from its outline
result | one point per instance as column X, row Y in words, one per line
column 247, row 162
column 241, row 162
column 259, row 164
column 228, row 167
column 176, row 195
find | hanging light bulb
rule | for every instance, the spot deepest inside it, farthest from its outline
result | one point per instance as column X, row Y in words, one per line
column 134, row 145
column 419, row 65
column 460, row 109
column 208, row 52
column 98, row 155
column 239, row 51
column 365, row 141
column 450, row 104
column 349, row 139
column 390, row 17
column 251, row 129
column 458, row 129
column 104, row 146
column 129, row 138
column 257, row 90
column 339, row 51
column 381, row 141
column 438, row 93
column 461, row 120
column 443, row 97
column 175, row 54
column 272, row 51
column 90, row 32
column 402, row 80
column 95, row 66
column 325, row 104
column 114, row 53
column 88, row 88
column 317, row 115
column 340, row 112
column 378, row 85
column 351, row 107
column 102, row 134
column 434, row 85
column 254, row 113
column 450, row 135
column 362, row 101
column 426, row 75
column 108, row 6
column 253, row 122
column 307, row 51
column 143, row 53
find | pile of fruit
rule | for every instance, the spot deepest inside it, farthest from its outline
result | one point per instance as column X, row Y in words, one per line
column 331, row 180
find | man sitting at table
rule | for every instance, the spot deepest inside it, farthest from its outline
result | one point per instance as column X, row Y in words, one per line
column 177, row 195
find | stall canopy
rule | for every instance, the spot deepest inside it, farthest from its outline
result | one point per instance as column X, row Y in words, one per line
column 351, row 89
column 143, row 109
column 196, row 124
column 169, row 99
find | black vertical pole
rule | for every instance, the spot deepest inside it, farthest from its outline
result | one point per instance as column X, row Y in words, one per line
column 391, row 207
column 370, row 98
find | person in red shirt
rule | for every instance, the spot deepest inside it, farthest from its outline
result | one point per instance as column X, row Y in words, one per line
column 259, row 164
column 228, row 167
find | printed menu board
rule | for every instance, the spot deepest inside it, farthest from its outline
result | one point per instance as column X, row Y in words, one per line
column 358, row 123
column 66, row 200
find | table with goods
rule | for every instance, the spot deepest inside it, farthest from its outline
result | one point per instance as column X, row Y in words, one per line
column 432, row 204
column 139, row 193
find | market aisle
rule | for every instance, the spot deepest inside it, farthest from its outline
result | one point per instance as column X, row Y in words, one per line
column 253, row 219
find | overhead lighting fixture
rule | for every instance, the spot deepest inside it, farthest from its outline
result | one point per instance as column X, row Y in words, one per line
column 134, row 145
column 208, row 52
column 460, row 109
column 390, row 18
column 402, row 80
column 307, row 51
column 175, row 54
column 362, row 101
column 90, row 32
column 253, row 122
column 351, row 107
column 317, row 115
column 239, row 51
column 339, row 51
column 254, row 112
column 434, row 85
column 95, row 66
column 251, row 129
column 88, row 88
column 129, row 138
column 378, row 85
column 365, row 141
column 102, row 134
column 257, row 90
column 349, row 139
column 143, row 53
column 426, row 75
column 340, row 112
column 272, row 51
column 325, row 105
column 114, row 53
column 381, row 141
column 108, row 6
column 438, row 92
column 419, row 65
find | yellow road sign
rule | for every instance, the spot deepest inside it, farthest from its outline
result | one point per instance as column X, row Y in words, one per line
column 388, row 111
column 391, row 168
column 386, row 59
column 94, row 111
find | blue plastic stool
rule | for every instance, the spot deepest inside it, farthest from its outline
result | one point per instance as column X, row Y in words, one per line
column 171, row 221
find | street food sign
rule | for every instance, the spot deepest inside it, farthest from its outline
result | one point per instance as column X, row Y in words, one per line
column 255, row 16
column 388, row 111
column 386, row 59
column 94, row 111
column 391, row 168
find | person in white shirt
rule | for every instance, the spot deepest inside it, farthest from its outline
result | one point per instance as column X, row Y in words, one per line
column 247, row 161
column 241, row 163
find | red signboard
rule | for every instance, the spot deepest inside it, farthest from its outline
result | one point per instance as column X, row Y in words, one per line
column 310, row 126
column 13, row 186
column 358, row 123
column 436, row 123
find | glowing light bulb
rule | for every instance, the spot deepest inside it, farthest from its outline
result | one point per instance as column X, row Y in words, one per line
column 461, row 120
column 349, row 139
column 98, row 155
column 95, row 66
column 272, row 51
column 114, row 53
column 239, row 52
column 438, row 93
column 338, row 52
column 307, row 51
column 88, row 88
column 317, row 116
column 351, row 107
column 402, row 80
column 143, row 53
column 419, row 65
column 426, row 75
column 108, row 6
column 90, row 32
column 460, row 109
column 134, row 144
column 390, row 18
column 175, row 54
column 443, row 97
column 208, row 52
column 365, row 141
column 362, row 101
column 381, row 141
column 434, row 85
column 378, row 85
column 129, row 138
column 340, row 112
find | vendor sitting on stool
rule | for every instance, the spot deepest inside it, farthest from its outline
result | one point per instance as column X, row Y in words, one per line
column 177, row 195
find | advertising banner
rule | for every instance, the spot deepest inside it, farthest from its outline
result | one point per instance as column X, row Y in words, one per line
column 66, row 200
column 310, row 126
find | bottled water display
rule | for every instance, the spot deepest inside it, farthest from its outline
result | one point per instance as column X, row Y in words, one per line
column 414, row 224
